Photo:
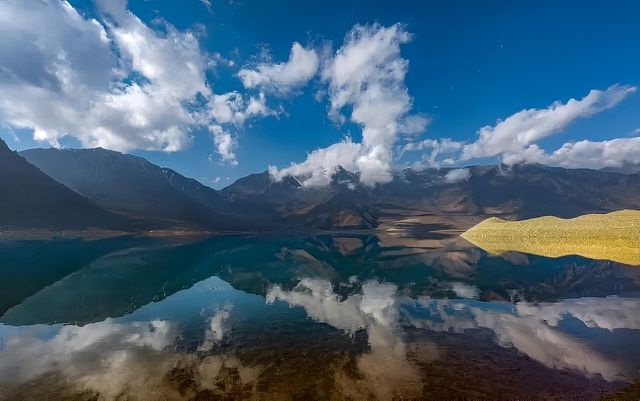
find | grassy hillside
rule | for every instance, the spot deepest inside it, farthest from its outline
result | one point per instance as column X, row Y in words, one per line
column 612, row 236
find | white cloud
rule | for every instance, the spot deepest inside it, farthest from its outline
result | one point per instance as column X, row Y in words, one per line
column 225, row 144
column 586, row 154
column 218, row 326
column 30, row 356
column 232, row 109
column 366, row 76
column 173, row 62
column 457, row 175
column 316, row 296
column 438, row 148
column 464, row 290
column 386, row 371
column 322, row 163
column 517, row 132
column 515, row 139
column 414, row 124
column 283, row 77
column 610, row 313
column 445, row 145
column 110, row 359
column 533, row 329
column 113, row 82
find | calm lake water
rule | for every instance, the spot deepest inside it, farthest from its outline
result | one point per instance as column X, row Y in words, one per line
column 312, row 317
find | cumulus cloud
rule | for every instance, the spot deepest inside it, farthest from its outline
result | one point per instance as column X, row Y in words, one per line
column 316, row 296
column 441, row 151
column 516, row 138
column 225, row 143
column 232, row 109
column 534, row 329
column 283, row 77
column 366, row 78
column 111, row 360
column 322, row 163
column 610, row 313
column 464, row 290
column 525, row 127
column 217, row 327
column 116, row 82
column 386, row 370
column 30, row 356
column 526, row 328
column 457, row 175
column 111, row 82
column 585, row 154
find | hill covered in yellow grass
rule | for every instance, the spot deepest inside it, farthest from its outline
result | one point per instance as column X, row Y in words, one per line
column 613, row 236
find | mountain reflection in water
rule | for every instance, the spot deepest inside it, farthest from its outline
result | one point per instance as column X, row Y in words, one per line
column 319, row 317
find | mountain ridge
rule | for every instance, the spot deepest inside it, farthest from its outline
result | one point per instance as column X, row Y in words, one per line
column 133, row 186
column 32, row 199
column 162, row 198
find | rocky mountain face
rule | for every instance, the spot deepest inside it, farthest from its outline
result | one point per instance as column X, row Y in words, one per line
column 32, row 199
column 343, row 204
column 521, row 191
column 160, row 197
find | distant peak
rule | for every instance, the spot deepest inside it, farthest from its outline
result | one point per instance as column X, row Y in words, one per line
column 4, row 146
column 102, row 150
column 341, row 174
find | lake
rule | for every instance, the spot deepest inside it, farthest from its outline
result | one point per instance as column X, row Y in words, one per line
column 327, row 317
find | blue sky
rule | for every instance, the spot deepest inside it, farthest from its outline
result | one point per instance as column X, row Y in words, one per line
column 469, row 64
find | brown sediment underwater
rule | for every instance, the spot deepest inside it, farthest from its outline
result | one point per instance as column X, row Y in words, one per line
column 612, row 236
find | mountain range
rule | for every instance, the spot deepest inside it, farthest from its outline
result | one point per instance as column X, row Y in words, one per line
column 75, row 188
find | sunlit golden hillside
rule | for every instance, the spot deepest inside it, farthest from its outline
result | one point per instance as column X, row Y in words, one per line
column 613, row 236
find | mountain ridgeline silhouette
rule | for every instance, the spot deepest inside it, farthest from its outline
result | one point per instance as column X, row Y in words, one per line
column 103, row 188
column 132, row 186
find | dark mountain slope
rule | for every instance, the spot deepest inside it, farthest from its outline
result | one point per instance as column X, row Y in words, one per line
column 163, row 198
column 31, row 199
column 344, row 203
column 625, row 168
column 520, row 191
column 133, row 186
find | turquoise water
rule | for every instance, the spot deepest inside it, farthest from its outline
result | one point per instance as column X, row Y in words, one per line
column 313, row 317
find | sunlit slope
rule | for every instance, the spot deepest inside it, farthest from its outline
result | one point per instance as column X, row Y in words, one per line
column 613, row 236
